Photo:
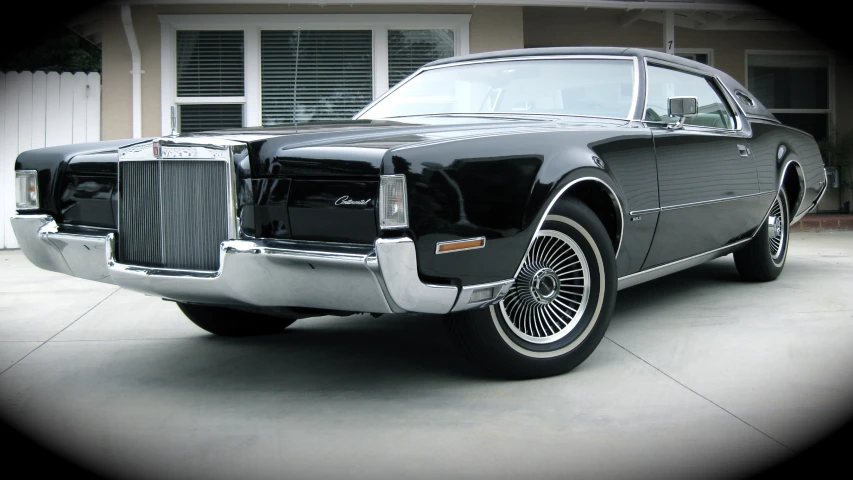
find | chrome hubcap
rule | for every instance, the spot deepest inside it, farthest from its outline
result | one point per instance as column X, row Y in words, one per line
column 775, row 229
column 551, row 291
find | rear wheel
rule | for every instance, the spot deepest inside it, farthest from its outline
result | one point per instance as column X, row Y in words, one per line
column 763, row 258
column 557, row 311
column 228, row 322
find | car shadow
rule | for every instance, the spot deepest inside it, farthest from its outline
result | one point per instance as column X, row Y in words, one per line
column 355, row 353
column 392, row 355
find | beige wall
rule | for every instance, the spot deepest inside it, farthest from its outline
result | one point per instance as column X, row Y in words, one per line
column 115, row 78
column 551, row 27
column 491, row 28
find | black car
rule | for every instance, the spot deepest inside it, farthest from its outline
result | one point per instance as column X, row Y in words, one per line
column 514, row 192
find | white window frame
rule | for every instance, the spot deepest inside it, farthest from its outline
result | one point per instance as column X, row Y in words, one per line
column 830, row 62
column 252, row 25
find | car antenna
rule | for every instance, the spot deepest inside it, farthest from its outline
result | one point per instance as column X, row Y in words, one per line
column 295, row 78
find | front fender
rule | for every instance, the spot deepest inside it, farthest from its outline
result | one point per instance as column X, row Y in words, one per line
column 497, row 187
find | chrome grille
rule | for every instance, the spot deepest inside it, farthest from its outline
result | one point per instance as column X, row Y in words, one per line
column 172, row 213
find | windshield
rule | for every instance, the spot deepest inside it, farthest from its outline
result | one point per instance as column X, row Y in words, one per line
column 592, row 87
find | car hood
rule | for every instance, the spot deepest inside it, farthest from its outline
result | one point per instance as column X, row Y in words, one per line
column 358, row 147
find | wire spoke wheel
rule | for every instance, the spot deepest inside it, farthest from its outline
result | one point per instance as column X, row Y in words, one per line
column 776, row 222
column 551, row 291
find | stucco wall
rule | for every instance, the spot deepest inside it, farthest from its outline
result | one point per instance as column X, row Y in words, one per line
column 491, row 28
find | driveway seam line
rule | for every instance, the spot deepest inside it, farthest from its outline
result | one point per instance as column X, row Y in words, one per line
column 63, row 329
column 701, row 396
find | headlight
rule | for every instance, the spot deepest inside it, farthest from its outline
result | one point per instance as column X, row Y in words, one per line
column 26, row 190
column 393, row 208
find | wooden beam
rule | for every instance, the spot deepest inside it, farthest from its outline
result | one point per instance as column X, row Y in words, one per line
column 696, row 16
column 630, row 17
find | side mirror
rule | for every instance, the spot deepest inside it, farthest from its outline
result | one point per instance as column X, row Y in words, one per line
column 681, row 108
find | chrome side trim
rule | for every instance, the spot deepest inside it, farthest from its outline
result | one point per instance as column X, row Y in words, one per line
column 465, row 295
column 451, row 242
column 672, row 267
column 718, row 200
column 559, row 194
column 696, row 204
column 643, row 212
column 634, row 100
column 72, row 254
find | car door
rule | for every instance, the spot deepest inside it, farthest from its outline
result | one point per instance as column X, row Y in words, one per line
column 708, row 184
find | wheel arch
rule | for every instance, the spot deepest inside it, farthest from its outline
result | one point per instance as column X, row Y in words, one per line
column 600, row 197
column 793, row 181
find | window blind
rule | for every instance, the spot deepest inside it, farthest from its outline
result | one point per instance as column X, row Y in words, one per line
column 215, row 116
column 409, row 50
column 210, row 63
column 333, row 79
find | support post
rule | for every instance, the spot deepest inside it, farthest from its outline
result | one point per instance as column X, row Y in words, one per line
column 669, row 32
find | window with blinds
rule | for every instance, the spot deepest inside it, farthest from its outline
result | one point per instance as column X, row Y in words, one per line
column 210, row 116
column 409, row 50
column 210, row 64
column 315, row 75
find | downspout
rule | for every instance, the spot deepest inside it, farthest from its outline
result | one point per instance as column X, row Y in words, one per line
column 135, row 71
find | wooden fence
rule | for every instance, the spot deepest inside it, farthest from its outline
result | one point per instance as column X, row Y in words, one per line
column 42, row 110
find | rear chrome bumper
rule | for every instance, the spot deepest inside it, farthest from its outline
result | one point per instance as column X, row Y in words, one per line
column 382, row 278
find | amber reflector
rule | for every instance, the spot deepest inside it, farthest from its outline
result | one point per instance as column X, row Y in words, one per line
column 460, row 245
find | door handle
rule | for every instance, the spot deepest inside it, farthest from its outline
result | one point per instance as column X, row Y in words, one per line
column 744, row 150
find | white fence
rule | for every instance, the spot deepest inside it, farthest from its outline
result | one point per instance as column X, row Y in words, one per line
column 42, row 110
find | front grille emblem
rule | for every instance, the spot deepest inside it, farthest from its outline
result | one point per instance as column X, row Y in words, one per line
column 155, row 147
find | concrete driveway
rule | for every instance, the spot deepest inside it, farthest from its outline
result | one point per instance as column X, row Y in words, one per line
column 700, row 375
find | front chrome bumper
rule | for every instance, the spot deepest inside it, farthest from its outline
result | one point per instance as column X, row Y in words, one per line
column 382, row 278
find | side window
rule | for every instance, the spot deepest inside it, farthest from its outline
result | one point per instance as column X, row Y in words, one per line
column 664, row 83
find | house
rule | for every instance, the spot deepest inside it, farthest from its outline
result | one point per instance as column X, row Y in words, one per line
column 217, row 64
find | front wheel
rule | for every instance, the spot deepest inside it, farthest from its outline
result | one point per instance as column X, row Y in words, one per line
column 763, row 258
column 228, row 322
column 557, row 310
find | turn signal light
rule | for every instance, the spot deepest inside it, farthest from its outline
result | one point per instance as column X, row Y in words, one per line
column 26, row 190
column 393, row 206
column 482, row 295
column 458, row 245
